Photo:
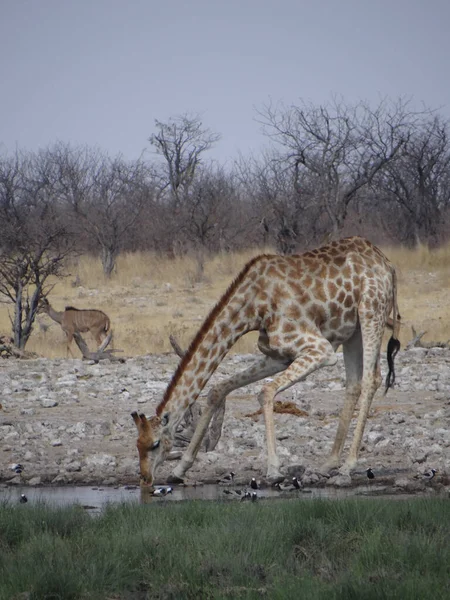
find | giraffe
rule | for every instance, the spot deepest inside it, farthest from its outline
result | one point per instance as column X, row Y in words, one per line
column 304, row 306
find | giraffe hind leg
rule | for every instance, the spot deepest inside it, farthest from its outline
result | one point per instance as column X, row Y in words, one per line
column 372, row 335
column 311, row 358
column 353, row 360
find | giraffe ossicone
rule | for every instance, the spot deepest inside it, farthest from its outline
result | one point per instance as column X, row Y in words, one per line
column 304, row 306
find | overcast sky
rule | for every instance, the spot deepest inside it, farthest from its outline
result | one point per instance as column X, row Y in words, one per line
column 99, row 72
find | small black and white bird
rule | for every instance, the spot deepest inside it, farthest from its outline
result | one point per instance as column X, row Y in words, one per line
column 23, row 499
column 296, row 483
column 227, row 478
column 246, row 496
column 254, row 496
column 16, row 467
column 254, row 484
column 370, row 473
column 162, row 491
column 428, row 475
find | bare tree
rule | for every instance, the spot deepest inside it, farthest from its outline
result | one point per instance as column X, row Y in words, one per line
column 181, row 142
column 417, row 183
column 34, row 240
column 106, row 195
column 340, row 147
column 283, row 213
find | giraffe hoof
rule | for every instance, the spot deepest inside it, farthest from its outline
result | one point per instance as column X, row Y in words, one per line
column 174, row 479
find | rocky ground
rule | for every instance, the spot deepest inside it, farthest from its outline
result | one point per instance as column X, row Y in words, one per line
column 68, row 421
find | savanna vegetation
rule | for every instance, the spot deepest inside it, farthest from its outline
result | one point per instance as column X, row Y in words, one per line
column 367, row 548
column 324, row 172
column 150, row 297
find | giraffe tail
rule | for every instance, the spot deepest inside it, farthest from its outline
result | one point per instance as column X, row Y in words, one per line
column 394, row 344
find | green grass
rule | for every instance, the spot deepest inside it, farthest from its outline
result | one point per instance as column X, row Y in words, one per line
column 361, row 549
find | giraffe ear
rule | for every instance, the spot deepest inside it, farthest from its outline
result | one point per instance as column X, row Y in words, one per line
column 165, row 419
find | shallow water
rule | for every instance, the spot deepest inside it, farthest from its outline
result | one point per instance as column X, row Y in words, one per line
column 94, row 499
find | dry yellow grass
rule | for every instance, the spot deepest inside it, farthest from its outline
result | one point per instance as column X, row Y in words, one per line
column 149, row 298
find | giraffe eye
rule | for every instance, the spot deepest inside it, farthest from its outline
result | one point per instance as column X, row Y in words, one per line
column 154, row 445
column 165, row 419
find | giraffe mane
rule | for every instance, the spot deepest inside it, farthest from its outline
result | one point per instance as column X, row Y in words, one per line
column 193, row 346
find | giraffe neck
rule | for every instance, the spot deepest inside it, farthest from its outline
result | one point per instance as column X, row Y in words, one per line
column 231, row 318
column 198, row 368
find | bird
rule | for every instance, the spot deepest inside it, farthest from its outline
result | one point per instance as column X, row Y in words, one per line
column 370, row 474
column 254, row 496
column 296, row 483
column 427, row 476
column 430, row 474
column 227, row 478
column 162, row 491
column 17, row 467
column 246, row 496
column 23, row 499
column 254, row 484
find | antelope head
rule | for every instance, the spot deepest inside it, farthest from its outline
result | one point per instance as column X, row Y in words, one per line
column 153, row 444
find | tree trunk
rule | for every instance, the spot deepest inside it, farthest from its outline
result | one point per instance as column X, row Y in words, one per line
column 108, row 257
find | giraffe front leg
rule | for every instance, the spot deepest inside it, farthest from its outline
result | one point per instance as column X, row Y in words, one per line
column 215, row 430
column 215, row 399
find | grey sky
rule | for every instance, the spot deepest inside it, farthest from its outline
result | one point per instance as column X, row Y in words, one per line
column 100, row 71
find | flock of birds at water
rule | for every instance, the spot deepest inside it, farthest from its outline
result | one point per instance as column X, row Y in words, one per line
column 239, row 494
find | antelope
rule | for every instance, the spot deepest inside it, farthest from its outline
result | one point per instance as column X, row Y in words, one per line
column 74, row 320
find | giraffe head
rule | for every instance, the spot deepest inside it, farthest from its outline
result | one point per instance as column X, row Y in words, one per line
column 153, row 446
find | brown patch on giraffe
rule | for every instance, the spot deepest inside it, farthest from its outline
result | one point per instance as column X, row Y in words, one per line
column 282, row 266
column 307, row 280
column 203, row 351
column 347, row 272
column 249, row 311
column 262, row 310
column 349, row 301
column 207, row 324
column 289, row 327
column 341, row 296
column 338, row 311
column 279, row 292
column 319, row 292
column 332, row 272
column 349, row 316
column 293, row 312
column 225, row 331
column 332, row 289
column 201, row 365
column 272, row 272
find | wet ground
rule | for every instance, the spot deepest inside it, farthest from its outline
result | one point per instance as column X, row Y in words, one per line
column 95, row 499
